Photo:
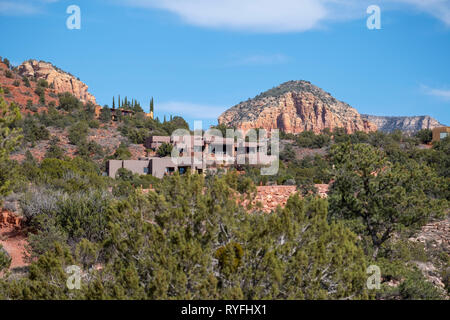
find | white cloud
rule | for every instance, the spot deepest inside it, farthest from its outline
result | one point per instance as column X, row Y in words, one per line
column 17, row 8
column 23, row 7
column 253, row 15
column 258, row 15
column 283, row 15
column 437, row 8
column 440, row 93
column 190, row 110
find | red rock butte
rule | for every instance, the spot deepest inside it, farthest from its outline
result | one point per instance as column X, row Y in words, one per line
column 294, row 107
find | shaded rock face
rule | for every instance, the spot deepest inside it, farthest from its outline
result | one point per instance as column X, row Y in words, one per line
column 60, row 80
column 405, row 124
column 294, row 107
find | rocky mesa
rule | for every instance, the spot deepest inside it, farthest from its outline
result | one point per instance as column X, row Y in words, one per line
column 58, row 79
column 406, row 124
column 294, row 107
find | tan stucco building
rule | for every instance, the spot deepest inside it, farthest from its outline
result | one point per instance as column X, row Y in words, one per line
column 440, row 133
column 197, row 154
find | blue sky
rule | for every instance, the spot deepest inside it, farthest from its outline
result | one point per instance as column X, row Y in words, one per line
column 197, row 58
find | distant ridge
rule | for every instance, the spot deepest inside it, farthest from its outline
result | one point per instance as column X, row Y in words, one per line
column 406, row 124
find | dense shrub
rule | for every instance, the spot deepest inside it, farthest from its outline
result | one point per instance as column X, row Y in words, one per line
column 8, row 74
column 39, row 91
column 164, row 150
column 42, row 99
column 26, row 82
column 68, row 102
column 78, row 133
column 34, row 131
column 425, row 136
column 5, row 259
column 121, row 153
column 7, row 62
column 42, row 83
column 54, row 150
column 308, row 139
column 105, row 115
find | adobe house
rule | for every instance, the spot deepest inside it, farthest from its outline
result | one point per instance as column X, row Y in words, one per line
column 154, row 142
column 196, row 153
column 157, row 167
column 440, row 133
column 121, row 111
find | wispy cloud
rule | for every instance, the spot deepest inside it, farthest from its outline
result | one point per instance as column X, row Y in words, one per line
column 253, row 15
column 190, row 110
column 258, row 15
column 438, row 8
column 18, row 8
column 440, row 93
column 283, row 15
column 23, row 7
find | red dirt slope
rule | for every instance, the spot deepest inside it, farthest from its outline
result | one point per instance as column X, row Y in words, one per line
column 12, row 238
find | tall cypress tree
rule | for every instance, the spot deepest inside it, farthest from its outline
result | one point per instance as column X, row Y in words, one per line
column 151, row 105
column 119, row 101
column 114, row 104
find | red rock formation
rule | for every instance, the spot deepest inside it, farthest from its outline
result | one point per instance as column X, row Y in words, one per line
column 61, row 81
column 295, row 107
column 58, row 80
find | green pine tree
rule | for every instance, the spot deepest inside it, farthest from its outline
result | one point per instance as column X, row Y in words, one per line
column 380, row 196
column 10, row 137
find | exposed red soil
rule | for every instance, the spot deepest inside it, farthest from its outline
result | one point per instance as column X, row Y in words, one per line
column 13, row 239
column 270, row 197
column 21, row 94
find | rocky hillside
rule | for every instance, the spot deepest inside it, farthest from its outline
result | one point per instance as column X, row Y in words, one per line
column 23, row 92
column 34, row 85
column 405, row 124
column 293, row 107
column 25, row 86
column 58, row 79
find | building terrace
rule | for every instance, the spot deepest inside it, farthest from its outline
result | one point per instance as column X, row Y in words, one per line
column 196, row 153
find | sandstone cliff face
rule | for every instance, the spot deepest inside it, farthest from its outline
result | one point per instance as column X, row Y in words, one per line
column 405, row 124
column 60, row 80
column 293, row 107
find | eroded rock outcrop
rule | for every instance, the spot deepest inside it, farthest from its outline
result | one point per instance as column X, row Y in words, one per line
column 60, row 80
column 405, row 124
column 294, row 107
